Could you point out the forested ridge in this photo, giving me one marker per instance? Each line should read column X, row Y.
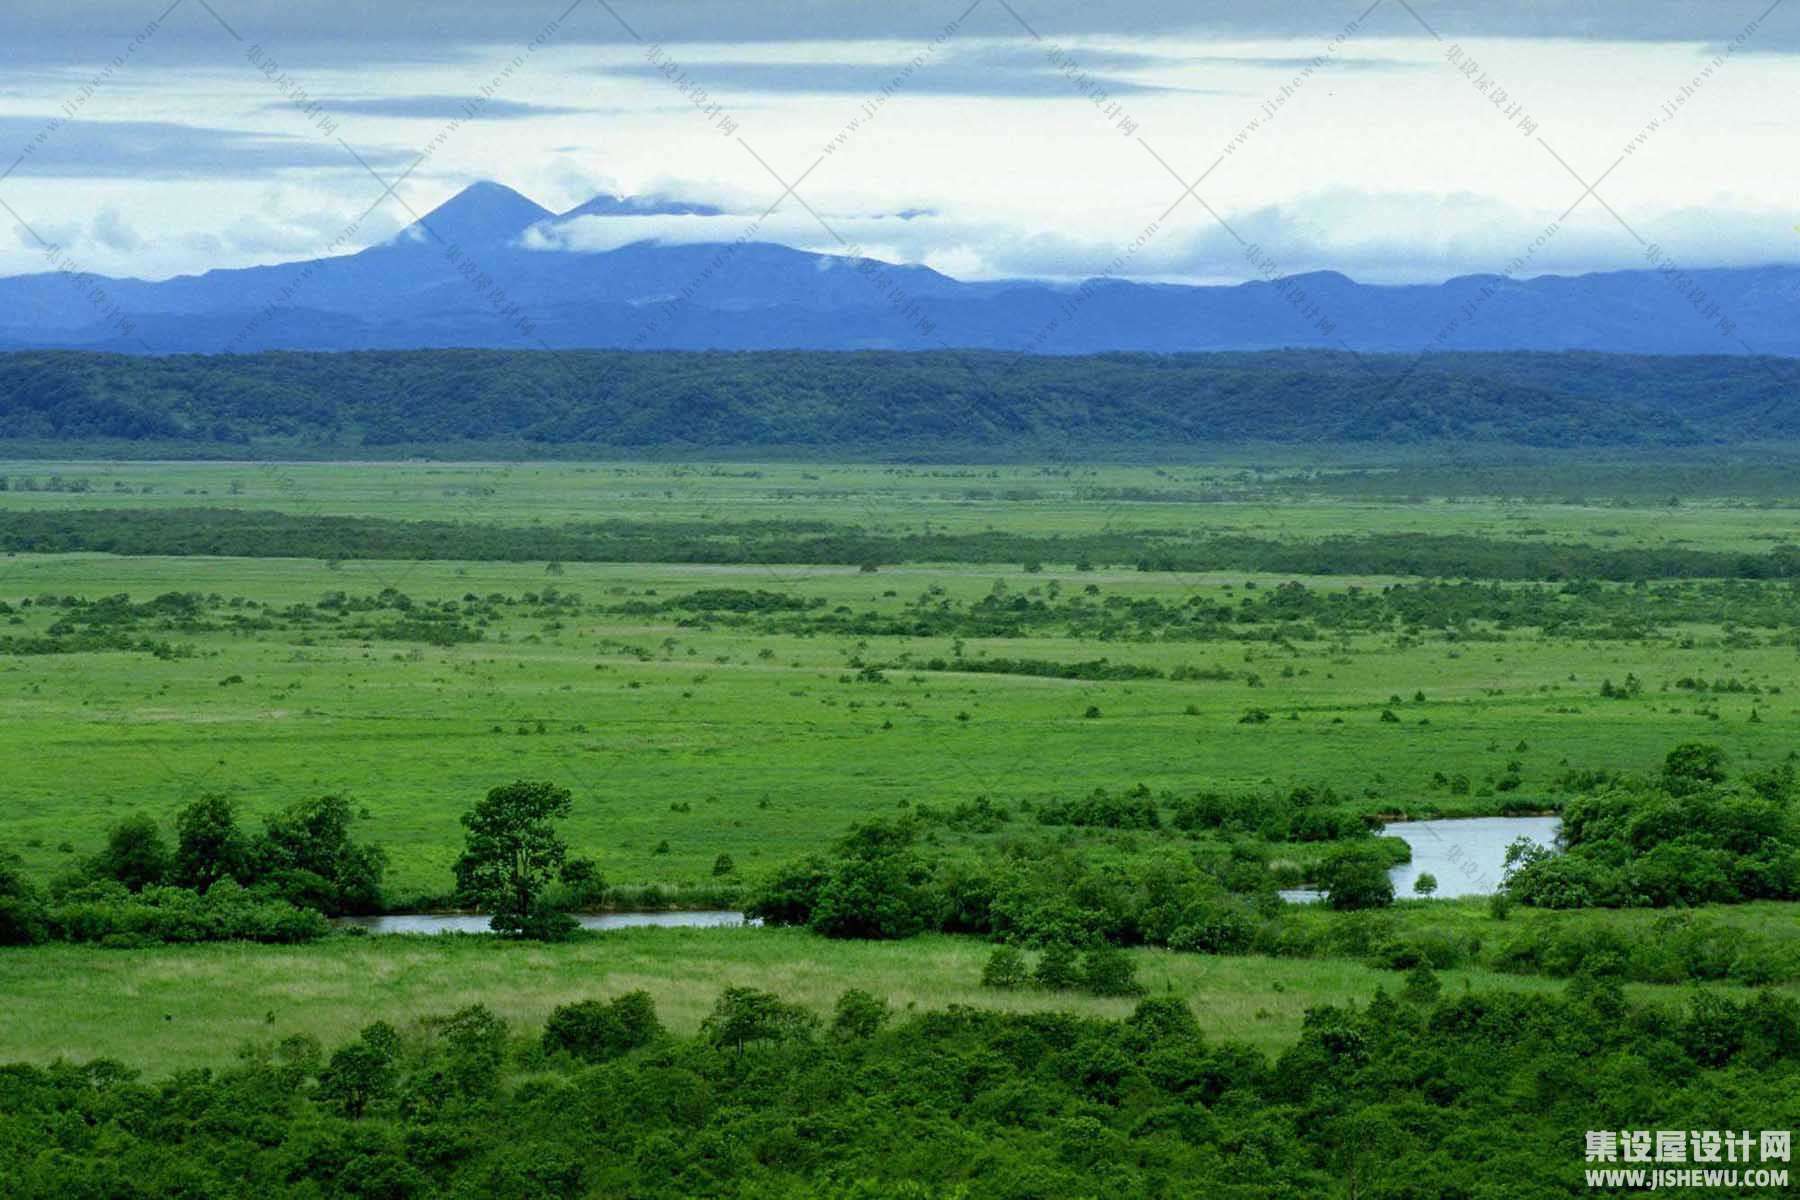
column 886, row 403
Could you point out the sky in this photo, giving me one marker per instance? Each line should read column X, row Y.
column 1201, row 141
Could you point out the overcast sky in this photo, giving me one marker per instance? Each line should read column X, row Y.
column 149, row 144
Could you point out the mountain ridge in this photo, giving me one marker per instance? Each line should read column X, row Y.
column 464, row 276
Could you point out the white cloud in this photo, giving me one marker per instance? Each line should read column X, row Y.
column 1388, row 166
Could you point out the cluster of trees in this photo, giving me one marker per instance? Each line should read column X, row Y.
column 1673, row 947
column 877, row 884
column 79, row 625
column 1101, row 969
column 1687, row 836
column 218, row 883
column 1392, row 1099
column 244, row 534
column 214, row 882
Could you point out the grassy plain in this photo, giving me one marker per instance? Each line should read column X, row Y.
column 764, row 746
column 685, row 738
column 1619, row 507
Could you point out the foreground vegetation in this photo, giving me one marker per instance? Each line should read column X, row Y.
column 766, row 1099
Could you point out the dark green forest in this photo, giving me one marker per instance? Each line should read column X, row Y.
column 243, row 534
column 887, row 404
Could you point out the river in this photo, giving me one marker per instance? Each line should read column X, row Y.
column 456, row 923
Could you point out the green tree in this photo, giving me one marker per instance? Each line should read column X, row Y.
column 1693, row 765
column 581, row 876
column 1426, row 884
column 363, row 1072
column 511, row 853
column 474, row 1041
column 136, row 854
column 208, row 844
column 878, row 889
column 1422, row 986
column 597, row 1032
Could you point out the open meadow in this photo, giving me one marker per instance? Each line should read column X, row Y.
column 862, row 691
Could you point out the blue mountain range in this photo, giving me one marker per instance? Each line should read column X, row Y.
column 471, row 273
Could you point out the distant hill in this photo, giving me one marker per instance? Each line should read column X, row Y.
column 886, row 404
column 490, row 268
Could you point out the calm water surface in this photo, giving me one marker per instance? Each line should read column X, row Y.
column 1466, row 855
column 443, row 923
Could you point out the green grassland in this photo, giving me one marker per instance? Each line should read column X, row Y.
column 173, row 1008
column 765, row 745
column 1608, row 507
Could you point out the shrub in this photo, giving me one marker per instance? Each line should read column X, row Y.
column 226, row 912
column 1222, row 931
column 596, row 1032
column 858, row 1015
column 1422, row 986
column 791, row 894
column 1005, row 968
column 586, row 886
column 1056, row 968
column 22, row 917
column 1107, row 970
column 1355, row 877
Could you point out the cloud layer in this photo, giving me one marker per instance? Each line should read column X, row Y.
column 1331, row 137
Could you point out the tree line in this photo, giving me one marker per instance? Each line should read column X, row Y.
column 242, row 534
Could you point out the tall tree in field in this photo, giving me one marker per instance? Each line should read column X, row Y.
column 511, row 854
